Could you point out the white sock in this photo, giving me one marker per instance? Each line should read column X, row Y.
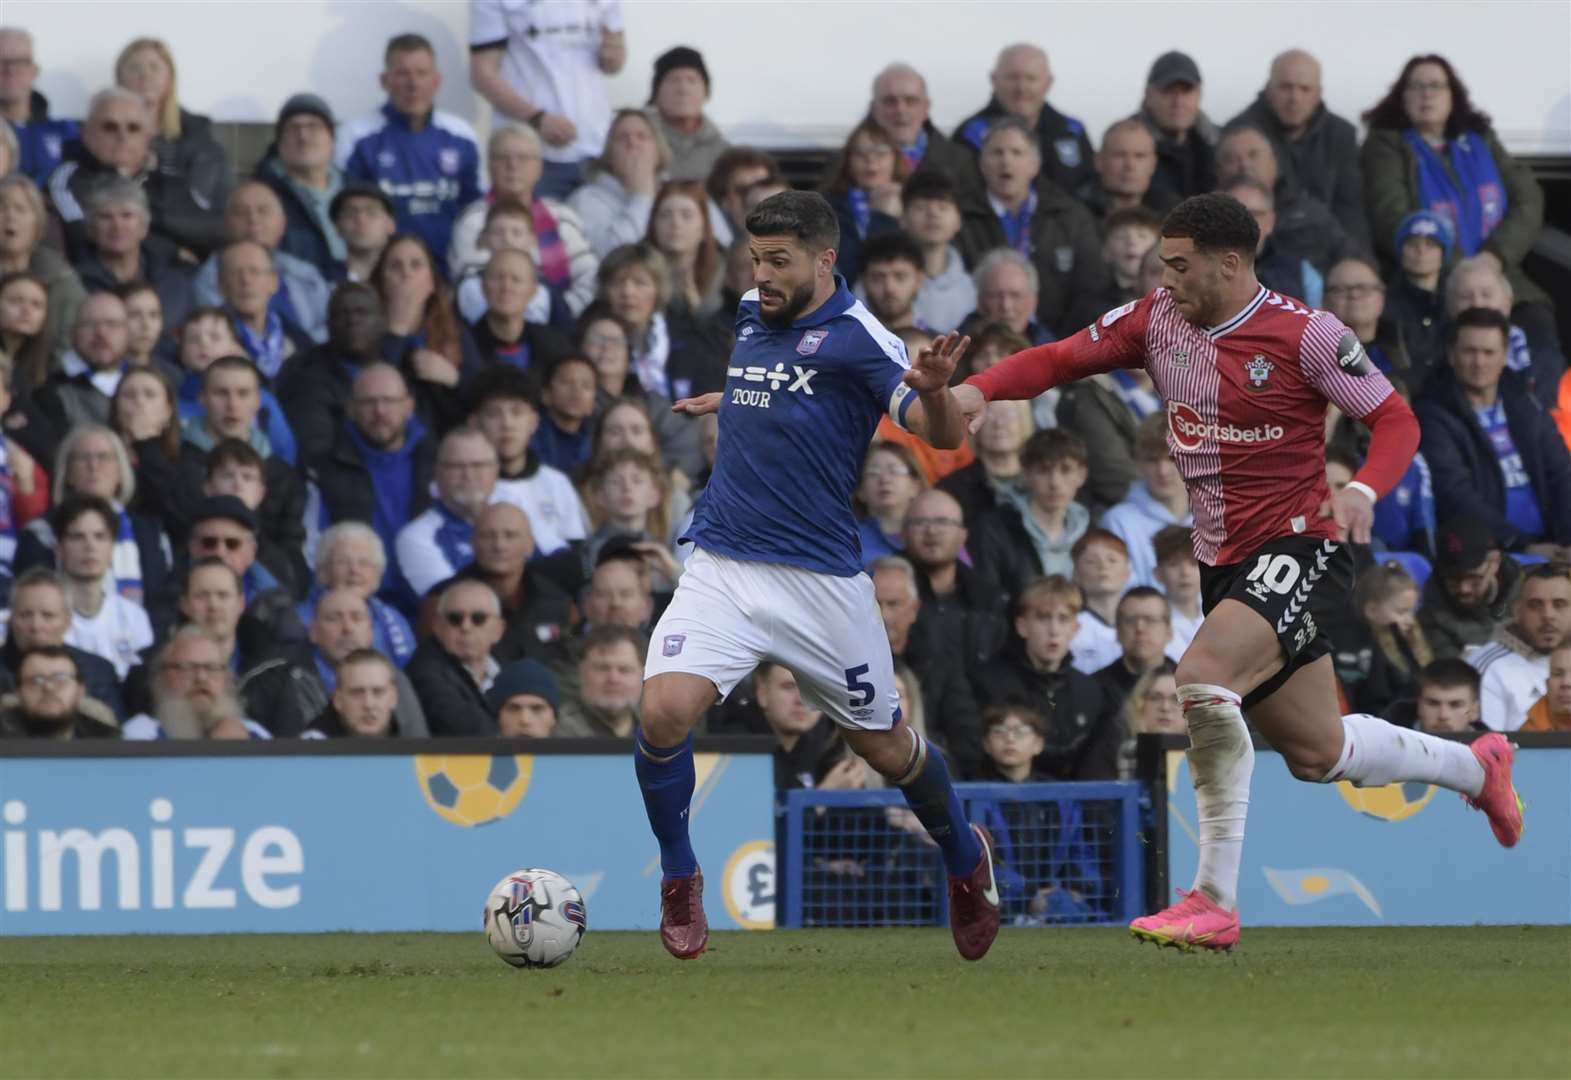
column 1375, row 753
column 1221, row 761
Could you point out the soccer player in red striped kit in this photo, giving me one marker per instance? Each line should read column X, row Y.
column 1246, row 374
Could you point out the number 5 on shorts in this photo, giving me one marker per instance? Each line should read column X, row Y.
column 857, row 687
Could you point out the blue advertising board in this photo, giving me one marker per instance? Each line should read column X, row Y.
column 142, row 844
column 1403, row 854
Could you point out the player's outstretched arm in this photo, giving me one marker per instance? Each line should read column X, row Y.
column 1393, row 440
column 936, row 415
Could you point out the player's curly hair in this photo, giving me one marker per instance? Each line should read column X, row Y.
column 1216, row 222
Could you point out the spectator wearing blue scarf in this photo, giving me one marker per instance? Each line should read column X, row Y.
column 865, row 192
column 351, row 556
column 1040, row 222
column 1430, row 149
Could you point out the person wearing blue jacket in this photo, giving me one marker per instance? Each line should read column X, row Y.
column 1495, row 452
column 426, row 160
column 40, row 138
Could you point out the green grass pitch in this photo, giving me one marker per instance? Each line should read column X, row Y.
column 1492, row 1001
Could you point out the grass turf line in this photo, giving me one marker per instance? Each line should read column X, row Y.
column 1435, row 1002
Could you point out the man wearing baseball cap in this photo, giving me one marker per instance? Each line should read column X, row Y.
column 1471, row 590
column 225, row 528
column 676, row 106
column 1185, row 136
column 299, row 168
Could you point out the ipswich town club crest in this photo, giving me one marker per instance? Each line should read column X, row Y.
column 1259, row 370
column 810, row 342
column 672, row 646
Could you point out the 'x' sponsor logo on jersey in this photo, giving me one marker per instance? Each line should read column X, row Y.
column 799, row 378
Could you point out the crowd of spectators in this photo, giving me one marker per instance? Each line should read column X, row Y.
column 376, row 442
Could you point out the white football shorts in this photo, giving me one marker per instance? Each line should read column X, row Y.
column 728, row 616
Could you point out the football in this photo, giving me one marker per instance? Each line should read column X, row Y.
column 534, row 918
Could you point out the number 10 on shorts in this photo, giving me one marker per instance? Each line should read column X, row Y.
column 1278, row 573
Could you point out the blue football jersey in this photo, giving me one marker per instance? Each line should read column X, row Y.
column 799, row 409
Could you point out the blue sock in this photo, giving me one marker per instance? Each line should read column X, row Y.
column 666, row 775
column 931, row 796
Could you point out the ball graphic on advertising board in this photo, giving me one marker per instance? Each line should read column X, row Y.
column 473, row 789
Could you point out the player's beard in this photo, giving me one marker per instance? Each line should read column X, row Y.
column 795, row 304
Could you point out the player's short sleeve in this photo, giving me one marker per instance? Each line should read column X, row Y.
column 886, row 379
column 487, row 24
column 1335, row 363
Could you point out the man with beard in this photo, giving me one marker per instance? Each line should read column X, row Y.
column 380, row 464
column 316, row 387
column 193, row 694
column 50, row 701
column 776, row 571
column 432, row 547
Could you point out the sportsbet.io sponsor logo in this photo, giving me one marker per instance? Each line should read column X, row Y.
column 1191, row 430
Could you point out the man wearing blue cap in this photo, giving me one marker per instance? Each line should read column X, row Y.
column 524, row 698
column 1424, row 243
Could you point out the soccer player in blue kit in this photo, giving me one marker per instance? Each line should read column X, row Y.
column 776, row 571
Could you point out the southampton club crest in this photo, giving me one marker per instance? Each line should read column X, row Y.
column 1259, row 370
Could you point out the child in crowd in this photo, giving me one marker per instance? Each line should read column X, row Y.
column 1450, row 699
column 930, row 215
column 1027, row 538
column 1011, row 739
column 509, row 226
column 563, row 438
column 1177, row 573
column 1379, row 653
column 1414, row 298
column 145, row 341
column 1156, row 500
column 1101, row 562
column 626, row 495
column 205, row 335
column 1130, row 235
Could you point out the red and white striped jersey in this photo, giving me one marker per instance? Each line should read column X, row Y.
column 1246, row 408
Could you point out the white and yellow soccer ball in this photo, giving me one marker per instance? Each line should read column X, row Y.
column 535, row 918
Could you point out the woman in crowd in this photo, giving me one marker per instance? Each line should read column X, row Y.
column 628, row 495
column 673, row 354
column 23, row 225
column 865, row 192
column 615, row 202
column 92, row 460
column 891, row 479
column 1355, row 294
column 1429, row 148
column 602, row 338
column 145, row 415
column 1150, row 709
column 149, row 345
column 680, row 229
column 183, row 142
column 629, row 424
column 424, row 332
column 567, row 263
column 351, row 556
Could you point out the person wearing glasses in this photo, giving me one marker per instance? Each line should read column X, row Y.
column 435, row 545
column 103, row 622
column 452, row 670
column 40, row 617
column 1430, row 148
column 193, row 694
column 955, row 606
column 117, row 140
column 52, row 703
column 226, row 529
